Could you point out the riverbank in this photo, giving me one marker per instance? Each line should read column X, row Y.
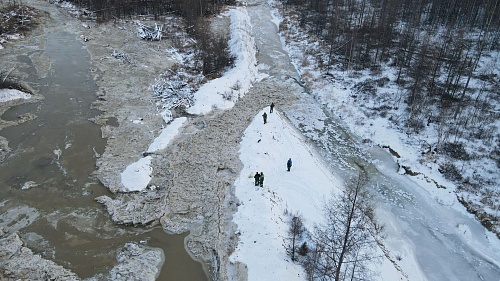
column 125, row 101
column 192, row 179
column 190, row 184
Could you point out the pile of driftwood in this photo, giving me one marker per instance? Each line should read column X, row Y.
column 17, row 19
column 173, row 93
column 152, row 33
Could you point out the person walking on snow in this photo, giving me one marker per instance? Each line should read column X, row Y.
column 257, row 178
column 289, row 164
column 271, row 108
column 265, row 117
column 261, row 179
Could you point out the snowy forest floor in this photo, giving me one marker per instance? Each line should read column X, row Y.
column 370, row 103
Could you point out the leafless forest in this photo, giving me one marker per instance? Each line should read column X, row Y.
column 435, row 45
column 442, row 53
column 443, row 57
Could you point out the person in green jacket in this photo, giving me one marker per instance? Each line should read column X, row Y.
column 261, row 179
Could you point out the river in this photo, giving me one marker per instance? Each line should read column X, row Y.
column 47, row 186
column 60, row 219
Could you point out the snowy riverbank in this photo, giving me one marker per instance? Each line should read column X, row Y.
column 195, row 173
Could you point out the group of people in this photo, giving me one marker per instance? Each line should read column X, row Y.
column 259, row 177
column 271, row 109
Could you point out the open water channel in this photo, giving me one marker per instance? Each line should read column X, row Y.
column 47, row 189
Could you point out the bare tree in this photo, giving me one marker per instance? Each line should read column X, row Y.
column 346, row 240
column 296, row 230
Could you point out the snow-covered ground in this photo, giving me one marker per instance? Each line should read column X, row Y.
column 12, row 94
column 415, row 212
column 263, row 214
column 223, row 92
column 261, row 217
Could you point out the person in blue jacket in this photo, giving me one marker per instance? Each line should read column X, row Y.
column 289, row 164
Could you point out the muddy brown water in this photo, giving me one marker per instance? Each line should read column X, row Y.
column 56, row 152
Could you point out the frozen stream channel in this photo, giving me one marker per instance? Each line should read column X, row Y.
column 445, row 244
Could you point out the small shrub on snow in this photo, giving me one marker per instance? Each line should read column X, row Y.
column 450, row 171
column 236, row 86
column 382, row 81
column 455, row 150
column 305, row 62
column 296, row 231
column 415, row 123
column 382, row 111
column 228, row 95
column 365, row 87
column 495, row 155
column 303, row 250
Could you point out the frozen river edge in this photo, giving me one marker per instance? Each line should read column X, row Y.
column 123, row 98
column 193, row 177
column 192, row 180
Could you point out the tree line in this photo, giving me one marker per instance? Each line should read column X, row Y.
column 190, row 10
column 436, row 47
column 212, row 52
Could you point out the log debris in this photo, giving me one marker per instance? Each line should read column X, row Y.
column 152, row 33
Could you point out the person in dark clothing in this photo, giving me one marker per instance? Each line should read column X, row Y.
column 289, row 164
column 257, row 178
column 261, row 179
column 265, row 117
column 271, row 108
